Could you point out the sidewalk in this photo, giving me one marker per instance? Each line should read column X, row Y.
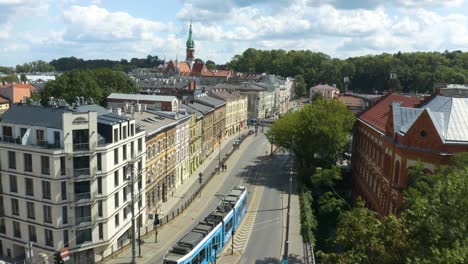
column 182, row 198
column 296, row 245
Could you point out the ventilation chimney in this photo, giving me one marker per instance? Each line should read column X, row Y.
column 118, row 111
column 77, row 101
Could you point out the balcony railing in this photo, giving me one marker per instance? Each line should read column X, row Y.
column 82, row 219
column 39, row 143
column 82, row 196
column 81, row 172
column 80, row 146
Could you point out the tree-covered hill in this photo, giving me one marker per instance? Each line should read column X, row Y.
column 415, row 71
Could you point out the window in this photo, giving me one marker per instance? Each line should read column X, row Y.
column 124, row 194
column 57, row 138
column 116, row 135
column 140, row 145
column 16, row 229
column 29, row 186
column 99, row 185
column 40, row 137
column 27, row 162
column 99, row 162
column 101, row 231
column 45, row 165
column 132, row 148
column 124, row 132
column 116, row 220
column 140, row 202
column 202, row 255
column 2, row 226
column 65, row 238
column 116, row 178
column 31, row 210
column 116, row 200
column 14, row 207
column 64, row 190
column 32, row 233
column 100, row 208
column 46, row 190
column 49, row 237
column 47, row 214
column 125, row 212
column 140, row 166
column 83, row 236
column 116, row 156
column 11, row 160
column 140, row 185
column 124, row 150
column 64, row 215
column 62, row 166
column 132, row 130
column 13, row 184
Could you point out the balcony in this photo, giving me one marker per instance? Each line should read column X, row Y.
column 82, row 197
column 81, row 147
column 40, row 143
column 83, row 220
column 82, row 173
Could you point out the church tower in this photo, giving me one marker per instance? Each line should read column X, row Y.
column 190, row 48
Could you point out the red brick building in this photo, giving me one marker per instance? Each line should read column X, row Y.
column 394, row 134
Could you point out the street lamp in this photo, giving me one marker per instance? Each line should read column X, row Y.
column 129, row 173
column 286, row 242
column 200, row 180
column 219, row 152
column 156, row 223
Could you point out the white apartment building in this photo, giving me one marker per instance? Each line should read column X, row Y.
column 63, row 181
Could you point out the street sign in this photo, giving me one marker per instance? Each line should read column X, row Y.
column 65, row 254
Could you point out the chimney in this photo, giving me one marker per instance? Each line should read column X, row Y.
column 77, row 101
column 118, row 111
column 83, row 102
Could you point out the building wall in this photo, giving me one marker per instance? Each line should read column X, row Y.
column 207, row 135
column 381, row 163
column 63, row 184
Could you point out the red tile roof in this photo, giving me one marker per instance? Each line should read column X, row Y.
column 378, row 114
column 184, row 67
column 216, row 73
column 197, row 68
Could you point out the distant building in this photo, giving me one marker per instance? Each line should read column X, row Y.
column 16, row 92
column 394, row 134
column 327, row 91
column 354, row 104
column 140, row 102
column 236, row 110
column 454, row 90
column 4, row 104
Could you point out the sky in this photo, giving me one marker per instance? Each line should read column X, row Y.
column 115, row 29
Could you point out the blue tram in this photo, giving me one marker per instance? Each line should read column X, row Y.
column 208, row 237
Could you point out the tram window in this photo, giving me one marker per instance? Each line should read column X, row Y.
column 228, row 226
column 202, row 255
column 195, row 260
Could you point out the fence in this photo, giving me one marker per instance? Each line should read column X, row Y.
column 147, row 230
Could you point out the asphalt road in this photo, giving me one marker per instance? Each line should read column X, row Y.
column 264, row 245
column 244, row 166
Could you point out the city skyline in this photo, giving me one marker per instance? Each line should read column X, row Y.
column 46, row 30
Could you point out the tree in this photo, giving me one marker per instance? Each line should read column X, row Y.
column 317, row 137
column 6, row 70
column 210, row 65
column 433, row 227
column 35, row 66
column 12, row 78
column 23, row 78
column 299, row 86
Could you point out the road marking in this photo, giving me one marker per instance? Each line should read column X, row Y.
column 271, row 220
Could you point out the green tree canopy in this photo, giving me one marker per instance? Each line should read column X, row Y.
column 35, row 66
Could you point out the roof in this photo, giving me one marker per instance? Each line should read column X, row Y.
column 448, row 114
column 152, row 122
column 143, row 97
column 184, row 67
column 378, row 114
column 216, row 73
column 35, row 115
column 204, row 109
column 351, row 101
column 210, row 101
column 92, row 108
column 321, row 87
column 197, row 68
column 191, row 110
column 3, row 100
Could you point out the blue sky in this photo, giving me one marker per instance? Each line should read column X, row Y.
column 115, row 29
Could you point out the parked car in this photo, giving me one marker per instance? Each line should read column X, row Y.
column 250, row 132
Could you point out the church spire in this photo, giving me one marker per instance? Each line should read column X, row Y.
column 190, row 51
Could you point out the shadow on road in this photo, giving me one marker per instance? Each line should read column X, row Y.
column 293, row 259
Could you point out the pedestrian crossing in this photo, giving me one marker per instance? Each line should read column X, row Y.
column 242, row 235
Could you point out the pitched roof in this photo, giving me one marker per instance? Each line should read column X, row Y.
column 204, row 109
column 35, row 115
column 197, row 68
column 142, row 97
column 184, row 67
column 321, row 87
column 216, row 73
column 210, row 101
column 378, row 114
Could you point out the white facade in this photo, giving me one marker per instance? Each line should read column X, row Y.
column 182, row 150
column 64, row 187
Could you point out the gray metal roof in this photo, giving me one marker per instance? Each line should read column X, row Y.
column 204, row 109
column 144, row 97
column 210, row 101
column 35, row 115
column 448, row 114
column 92, row 108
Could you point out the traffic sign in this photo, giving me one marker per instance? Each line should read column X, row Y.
column 65, row 254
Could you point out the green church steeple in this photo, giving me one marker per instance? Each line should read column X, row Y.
column 190, row 43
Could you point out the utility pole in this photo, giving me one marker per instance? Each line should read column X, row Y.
column 219, row 152
column 286, row 242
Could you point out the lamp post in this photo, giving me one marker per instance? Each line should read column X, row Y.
column 200, row 180
column 156, row 223
column 129, row 173
column 286, row 242
column 219, row 152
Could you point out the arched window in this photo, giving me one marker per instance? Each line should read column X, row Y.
column 80, row 121
column 396, row 172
